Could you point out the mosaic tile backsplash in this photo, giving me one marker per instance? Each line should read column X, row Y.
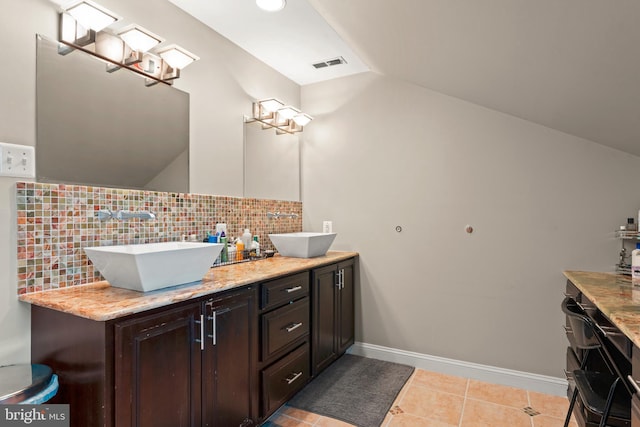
column 55, row 221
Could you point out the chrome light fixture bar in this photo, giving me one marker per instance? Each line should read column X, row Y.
column 84, row 26
column 274, row 114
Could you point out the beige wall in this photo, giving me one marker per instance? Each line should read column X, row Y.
column 387, row 153
column 221, row 85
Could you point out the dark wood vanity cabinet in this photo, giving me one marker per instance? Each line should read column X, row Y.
column 189, row 364
column 229, row 359
column 285, row 322
column 332, row 313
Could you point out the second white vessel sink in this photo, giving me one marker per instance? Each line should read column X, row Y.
column 302, row 244
column 152, row 266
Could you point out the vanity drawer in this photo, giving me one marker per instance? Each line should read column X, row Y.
column 284, row 378
column 281, row 291
column 283, row 326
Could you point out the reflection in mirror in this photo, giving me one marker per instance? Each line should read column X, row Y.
column 271, row 164
column 107, row 129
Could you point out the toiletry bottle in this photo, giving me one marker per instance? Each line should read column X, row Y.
column 246, row 239
column 631, row 225
column 225, row 250
column 231, row 251
column 635, row 265
column 255, row 246
column 239, row 250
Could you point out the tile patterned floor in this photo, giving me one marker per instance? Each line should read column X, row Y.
column 430, row 399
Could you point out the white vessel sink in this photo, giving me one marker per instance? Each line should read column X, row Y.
column 303, row 244
column 152, row 266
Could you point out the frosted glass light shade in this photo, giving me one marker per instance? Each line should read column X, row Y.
column 92, row 16
column 288, row 112
column 139, row 39
column 302, row 119
column 271, row 105
column 271, row 5
column 177, row 57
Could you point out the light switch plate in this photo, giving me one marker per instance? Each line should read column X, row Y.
column 17, row 160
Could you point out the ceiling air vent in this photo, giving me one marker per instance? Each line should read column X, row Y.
column 330, row 62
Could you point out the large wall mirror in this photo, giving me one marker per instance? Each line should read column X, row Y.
column 271, row 164
column 107, row 129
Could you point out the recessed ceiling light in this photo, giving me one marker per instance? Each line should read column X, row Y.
column 271, row 5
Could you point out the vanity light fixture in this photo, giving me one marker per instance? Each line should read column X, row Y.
column 273, row 114
column 139, row 39
column 177, row 57
column 302, row 119
column 271, row 5
column 92, row 16
column 84, row 26
column 271, row 105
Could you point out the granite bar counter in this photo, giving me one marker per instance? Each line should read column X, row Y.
column 614, row 296
column 100, row 301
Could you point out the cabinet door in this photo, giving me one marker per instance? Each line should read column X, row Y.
column 345, row 335
column 325, row 287
column 158, row 367
column 229, row 364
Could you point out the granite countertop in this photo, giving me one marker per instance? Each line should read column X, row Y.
column 100, row 301
column 614, row 296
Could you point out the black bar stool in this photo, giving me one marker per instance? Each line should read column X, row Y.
column 604, row 393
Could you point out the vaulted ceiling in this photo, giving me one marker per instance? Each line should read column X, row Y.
column 571, row 65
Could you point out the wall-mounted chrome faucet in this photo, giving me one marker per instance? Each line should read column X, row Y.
column 126, row 215
column 278, row 215
column 123, row 215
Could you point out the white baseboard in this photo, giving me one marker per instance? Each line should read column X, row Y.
column 526, row 380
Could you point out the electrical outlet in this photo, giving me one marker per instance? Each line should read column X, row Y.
column 17, row 160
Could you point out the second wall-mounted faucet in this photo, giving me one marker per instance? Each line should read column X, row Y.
column 278, row 215
column 123, row 215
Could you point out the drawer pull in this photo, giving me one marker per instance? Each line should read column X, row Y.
column 294, row 289
column 634, row 383
column 293, row 327
column 295, row 377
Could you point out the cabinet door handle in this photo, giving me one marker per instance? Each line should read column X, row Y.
column 201, row 323
column 293, row 326
column 295, row 288
column 295, row 377
column 634, row 383
column 214, row 335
